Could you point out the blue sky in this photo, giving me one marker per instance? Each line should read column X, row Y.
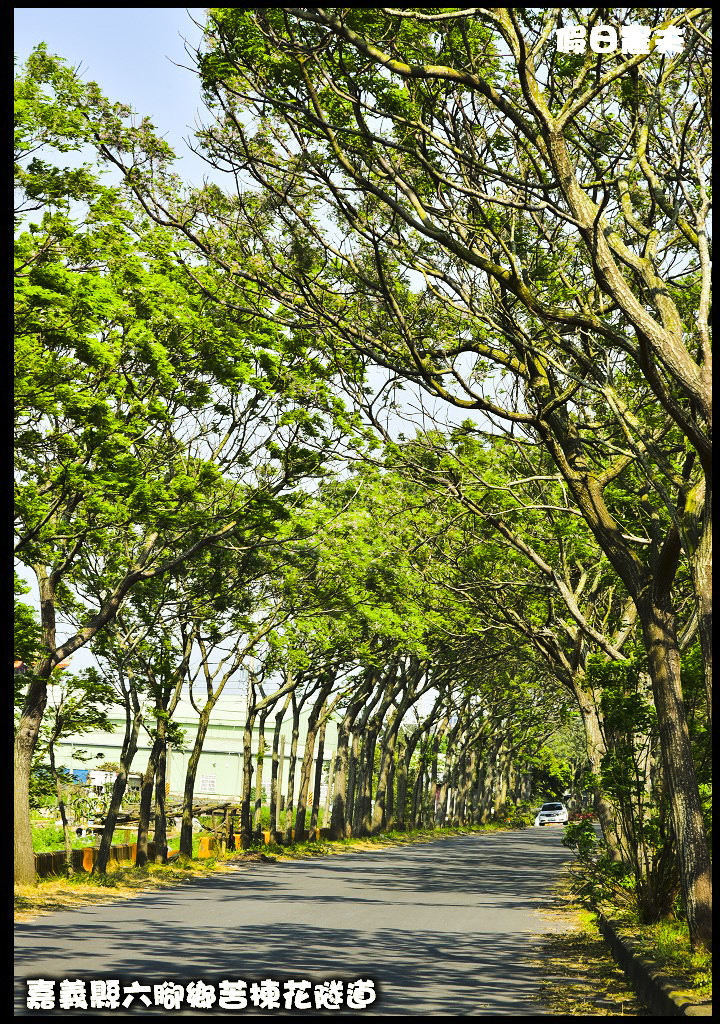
column 132, row 53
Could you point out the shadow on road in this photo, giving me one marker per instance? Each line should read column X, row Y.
column 441, row 928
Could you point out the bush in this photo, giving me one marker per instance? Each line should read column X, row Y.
column 580, row 837
column 48, row 837
column 601, row 879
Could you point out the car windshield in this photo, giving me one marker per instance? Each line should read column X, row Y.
column 552, row 807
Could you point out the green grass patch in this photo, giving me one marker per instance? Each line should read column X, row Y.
column 667, row 944
column 47, row 838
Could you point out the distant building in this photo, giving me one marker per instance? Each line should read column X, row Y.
column 220, row 771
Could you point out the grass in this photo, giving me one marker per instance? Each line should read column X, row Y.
column 47, row 838
column 667, row 944
column 580, row 975
column 122, row 882
column 325, row 847
column 581, row 978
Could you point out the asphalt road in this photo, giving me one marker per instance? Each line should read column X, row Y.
column 446, row 927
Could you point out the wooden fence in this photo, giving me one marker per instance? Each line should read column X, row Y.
column 54, row 862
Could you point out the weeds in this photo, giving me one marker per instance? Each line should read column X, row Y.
column 667, row 943
column 122, row 881
column 323, row 847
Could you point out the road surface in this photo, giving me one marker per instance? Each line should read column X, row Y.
column 446, row 927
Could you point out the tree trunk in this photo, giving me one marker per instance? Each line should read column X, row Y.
column 129, row 749
column 329, row 790
column 458, row 817
column 257, row 817
column 393, row 686
column 465, row 808
column 658, row 627
column 317, row 783
column 61, row 807
column 420, row 784
column 342, row 800
column 156, row 772
column 353, row 758
column 278, row 756
column 189, row 792
column 389, row 812
column 488, row 792
column 25, row 743
column 396, row 820
column 144, row 813
column 500, row 790
column 246, row 837
column 305, row 771
column 417, row 797
column 441, row 800
column 378, row 820
column 291, row 771
column 278, row 795
column 595, row 746
column 383, row 792
column 701, row 566
column 479, row 799
column 363, row 807
column 337, row 818
column 275, row 771
column 161, row 847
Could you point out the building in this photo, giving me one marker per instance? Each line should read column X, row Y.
column 220, row 771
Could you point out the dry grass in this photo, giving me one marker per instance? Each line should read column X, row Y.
column 324, row 848
column 581, row 978
column 122, row 882
column 580, row 974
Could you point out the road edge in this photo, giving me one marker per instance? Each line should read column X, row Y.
column 655, row 989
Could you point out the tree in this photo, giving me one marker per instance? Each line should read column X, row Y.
column 629, row 774
column 145, row 652
column 150, row 426
column 557, row 217
column 26, row 627
column 388, row 613
column 78, row 705
column 510, row 545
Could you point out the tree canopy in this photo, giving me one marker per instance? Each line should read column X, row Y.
column 436, row 202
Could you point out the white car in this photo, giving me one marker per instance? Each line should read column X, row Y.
column 551, row 814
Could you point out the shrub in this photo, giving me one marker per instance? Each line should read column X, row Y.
column 47, row 837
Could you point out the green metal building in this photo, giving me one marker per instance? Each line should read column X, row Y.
column 220, row 771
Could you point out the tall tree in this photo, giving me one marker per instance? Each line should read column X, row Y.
column 555, row 208
column 149, row 424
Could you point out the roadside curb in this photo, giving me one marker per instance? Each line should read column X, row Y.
column 656, row 989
